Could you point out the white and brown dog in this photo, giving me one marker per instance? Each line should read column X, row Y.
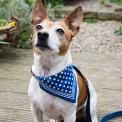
column 51, row 42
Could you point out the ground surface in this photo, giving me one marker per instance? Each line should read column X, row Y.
column 105, row 72
column 99, row 38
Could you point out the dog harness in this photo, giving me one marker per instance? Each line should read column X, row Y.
column 64, row 86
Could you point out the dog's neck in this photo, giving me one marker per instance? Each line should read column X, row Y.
column 50, row 64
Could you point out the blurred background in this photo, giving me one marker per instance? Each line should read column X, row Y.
column 97, row 50
column 18, row 33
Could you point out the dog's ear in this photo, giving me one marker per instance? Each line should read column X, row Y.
column 73, row 20
column 38, row 13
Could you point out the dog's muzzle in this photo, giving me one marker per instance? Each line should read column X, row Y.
column 42, row 40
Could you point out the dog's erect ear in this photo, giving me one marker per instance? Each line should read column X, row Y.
column 38, row 12
column 73, row 20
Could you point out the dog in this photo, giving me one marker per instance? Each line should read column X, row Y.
column 52, row 59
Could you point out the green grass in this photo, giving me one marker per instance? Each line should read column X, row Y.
column 112, row 1
column 116, row 1
column 118, row 32
column 91, row 20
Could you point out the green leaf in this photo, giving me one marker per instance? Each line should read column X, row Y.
column 118, row 32
column 4, row 43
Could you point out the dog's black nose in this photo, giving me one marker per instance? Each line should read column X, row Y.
column 42, row 40
column 43, row 35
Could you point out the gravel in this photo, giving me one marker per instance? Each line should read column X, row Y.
column 99, row 38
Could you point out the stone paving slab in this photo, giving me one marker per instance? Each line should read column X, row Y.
column 105, row 72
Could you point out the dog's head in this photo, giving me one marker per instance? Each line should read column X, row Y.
column 53, row 37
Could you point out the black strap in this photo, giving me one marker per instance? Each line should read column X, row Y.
column 88, row 114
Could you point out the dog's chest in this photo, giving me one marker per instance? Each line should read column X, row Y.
column 52, row 106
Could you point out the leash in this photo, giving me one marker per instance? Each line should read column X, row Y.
column 110, row 116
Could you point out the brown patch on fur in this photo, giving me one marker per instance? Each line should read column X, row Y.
column 38, row 13
column 49, row 23
column 82, row 90
column 67, row 40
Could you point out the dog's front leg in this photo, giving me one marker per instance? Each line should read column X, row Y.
column 70, row 118
column 37, row 113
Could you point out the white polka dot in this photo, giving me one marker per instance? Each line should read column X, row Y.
column 67, row 86
column 58, row 88
column 49, row 85
column 54, row 79
column 61, row 81
column 58, row 80
column 66, row 78
column 52, row 83
column 69, row 91
column 64, row 86
column 49, row 77
column 65, row 81
column 48, row 81
column 55, row 83
column 65, row 90
column 62, row 90
column 60, row 76
column 53, row 87
column 59, row 84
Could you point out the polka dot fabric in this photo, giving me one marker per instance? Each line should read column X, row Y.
column 62, row 85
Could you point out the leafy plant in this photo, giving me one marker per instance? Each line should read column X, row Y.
column 53, row 3
column 21, row 10
column 2, row 22
column 90, row 20
column 118, row 32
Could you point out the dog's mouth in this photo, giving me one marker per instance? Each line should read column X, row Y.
column 43, row 47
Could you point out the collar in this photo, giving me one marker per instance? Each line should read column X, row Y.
column 62, row 84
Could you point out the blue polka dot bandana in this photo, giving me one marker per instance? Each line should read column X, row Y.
column 62, row 84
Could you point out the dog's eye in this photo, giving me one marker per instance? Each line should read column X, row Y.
column 39, row 27
column 60, row 31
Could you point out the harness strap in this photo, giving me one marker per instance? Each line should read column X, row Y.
column 88, row 114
